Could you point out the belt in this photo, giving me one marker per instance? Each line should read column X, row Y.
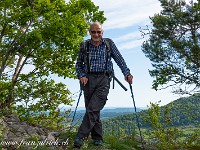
column 99, row 73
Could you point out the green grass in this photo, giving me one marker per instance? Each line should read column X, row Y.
column 119, row 143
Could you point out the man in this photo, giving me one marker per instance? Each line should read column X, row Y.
column 93, row 70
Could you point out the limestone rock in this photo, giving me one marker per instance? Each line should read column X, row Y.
column 18, row 133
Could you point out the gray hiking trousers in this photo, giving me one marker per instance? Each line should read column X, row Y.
column 95, row 93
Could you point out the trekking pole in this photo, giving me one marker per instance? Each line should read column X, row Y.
column 76, row 107
column 137, row 119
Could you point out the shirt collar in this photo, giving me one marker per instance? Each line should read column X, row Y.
column 101, row 42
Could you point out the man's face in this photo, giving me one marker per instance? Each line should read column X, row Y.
column 96, row 33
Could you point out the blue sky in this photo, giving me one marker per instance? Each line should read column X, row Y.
column 124, row 17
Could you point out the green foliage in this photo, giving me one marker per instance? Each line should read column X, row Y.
column 193, row 140
column 169, row 137
column 165, row 138
column 37, row 39
column 173, row 46
column 173, row 126
column 120, row 126
column 41, row 101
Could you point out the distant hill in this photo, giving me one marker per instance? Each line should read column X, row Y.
column 114, row 109
column 109, row 113
column 124, row 109
column 184, row 111
column 105, row 113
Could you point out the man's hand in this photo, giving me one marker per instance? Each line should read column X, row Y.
column 84, row 80
column 129, row 78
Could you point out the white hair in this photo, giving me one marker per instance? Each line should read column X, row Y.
column 96, row 23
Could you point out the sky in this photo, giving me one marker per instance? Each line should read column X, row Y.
column 124, row 17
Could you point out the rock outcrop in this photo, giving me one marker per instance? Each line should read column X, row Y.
column 17, row 133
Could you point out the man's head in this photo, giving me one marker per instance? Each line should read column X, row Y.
column 96, row 31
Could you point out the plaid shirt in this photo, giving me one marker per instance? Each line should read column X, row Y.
column 97, row 60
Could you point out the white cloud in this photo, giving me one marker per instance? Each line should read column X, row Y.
column 128, row 41
column 130, row 36
column 130, row 44
column 126, row 13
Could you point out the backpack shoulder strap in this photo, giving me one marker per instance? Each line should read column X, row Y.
column 88, row 54
column 108, row 51
column 85, row 50
column 107, row 40
column 84, row 46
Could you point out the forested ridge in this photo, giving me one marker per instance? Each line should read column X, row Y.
column 183, row 111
